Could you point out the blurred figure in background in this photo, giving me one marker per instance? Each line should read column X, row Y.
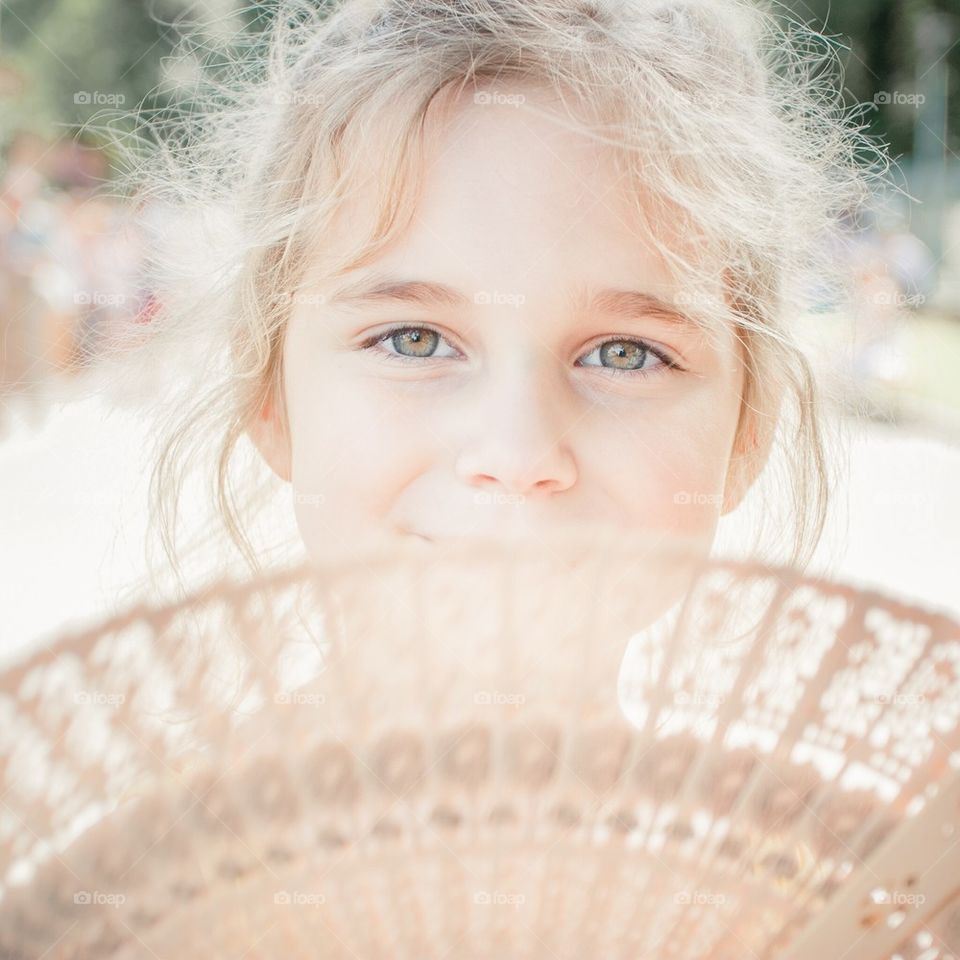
column 25, row 226
column 69, row 262
column 893, row 274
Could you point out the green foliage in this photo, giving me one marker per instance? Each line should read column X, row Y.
column 885, row 55
column 84, row 61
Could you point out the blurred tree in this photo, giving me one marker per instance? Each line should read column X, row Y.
column 83, row 62
column 83, row 59
column 77, row 57
column 888, row 64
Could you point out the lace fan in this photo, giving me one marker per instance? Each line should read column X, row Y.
column 584, row 747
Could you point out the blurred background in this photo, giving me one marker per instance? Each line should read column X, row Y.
column 72, row 438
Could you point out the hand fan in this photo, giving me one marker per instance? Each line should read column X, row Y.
column 580, row 747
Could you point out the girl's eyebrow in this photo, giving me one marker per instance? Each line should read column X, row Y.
column 380, row 289
column 623, row 305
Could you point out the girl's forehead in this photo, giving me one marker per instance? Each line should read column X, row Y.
column 478, row 142
column 514, row 197
column 505, row 175
column 512, row 130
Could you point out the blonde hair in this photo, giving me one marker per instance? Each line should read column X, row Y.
column 722, row 112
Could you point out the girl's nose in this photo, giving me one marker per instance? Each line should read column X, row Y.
column 522, row 444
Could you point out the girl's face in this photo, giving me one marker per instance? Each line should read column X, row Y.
column 513, row 363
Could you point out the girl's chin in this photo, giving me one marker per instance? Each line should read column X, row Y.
column 568, row 547
column 572, row 570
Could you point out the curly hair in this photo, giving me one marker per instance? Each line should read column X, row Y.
column 725, row 114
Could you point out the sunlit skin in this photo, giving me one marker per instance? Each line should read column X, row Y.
column 522, row 398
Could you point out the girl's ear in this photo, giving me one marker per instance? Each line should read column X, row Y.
column 269, row 435
column 751, row 451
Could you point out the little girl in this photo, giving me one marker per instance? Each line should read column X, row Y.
column 500, row 266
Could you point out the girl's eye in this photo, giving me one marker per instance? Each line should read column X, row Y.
column 620, row 355
column 628, row 356
column 410, row 343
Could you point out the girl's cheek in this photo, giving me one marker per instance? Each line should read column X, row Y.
column 358, row 443
column 352, row 447
column 669, row 472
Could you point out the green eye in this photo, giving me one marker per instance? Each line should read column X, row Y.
column 416, row 342
column 627, row 356
column 623, row 354
column 411, row 343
